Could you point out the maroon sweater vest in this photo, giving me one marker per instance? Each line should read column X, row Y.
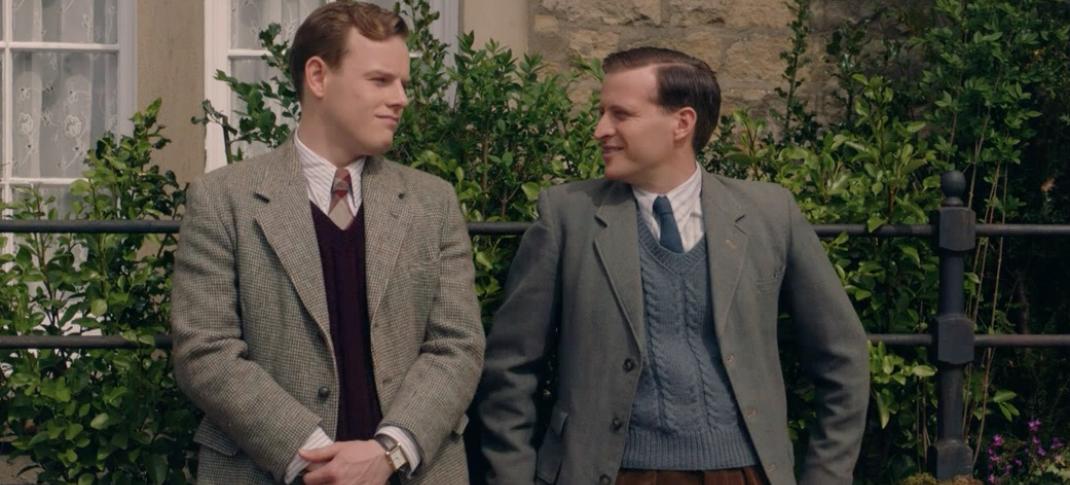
column 342, row 255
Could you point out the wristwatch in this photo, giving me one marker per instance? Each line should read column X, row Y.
column 394, row 455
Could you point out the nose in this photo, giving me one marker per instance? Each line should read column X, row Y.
column 604, row 128
column 401, row 98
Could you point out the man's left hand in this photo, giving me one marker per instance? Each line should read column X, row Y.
column 347, row 462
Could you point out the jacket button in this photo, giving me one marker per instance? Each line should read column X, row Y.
column 323, row 392
column 731, row 359
column 617, row 424
column 629, row 365
column 751, row 412
column 604, row 480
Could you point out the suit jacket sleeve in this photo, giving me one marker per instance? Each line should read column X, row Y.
column 833, row 352
column 211, row 367
column 437, row 389
column 516, row 350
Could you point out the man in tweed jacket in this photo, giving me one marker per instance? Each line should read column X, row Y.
column 298, row 377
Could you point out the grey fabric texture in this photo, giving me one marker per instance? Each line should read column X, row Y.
column 252, row 345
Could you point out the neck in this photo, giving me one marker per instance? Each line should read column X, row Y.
column 671, row 174
column 319, row 137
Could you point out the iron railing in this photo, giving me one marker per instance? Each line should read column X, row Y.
column 952, row 341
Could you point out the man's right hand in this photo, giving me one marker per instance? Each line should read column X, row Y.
column 348, row 463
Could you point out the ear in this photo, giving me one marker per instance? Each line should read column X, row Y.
column 684, row 129
column 316, row 71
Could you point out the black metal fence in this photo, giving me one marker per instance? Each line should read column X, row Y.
column 951, row 341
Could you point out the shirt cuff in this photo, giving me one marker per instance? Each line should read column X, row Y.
column 318, row 439
column 407, row 444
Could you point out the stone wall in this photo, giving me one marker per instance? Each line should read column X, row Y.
column 740, row 39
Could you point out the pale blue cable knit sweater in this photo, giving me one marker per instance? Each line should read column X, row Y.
column 684, row 416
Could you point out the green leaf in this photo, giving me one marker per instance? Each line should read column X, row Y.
column 531, row 191
column 923, row 371
column 883, row 411
column 875, row 221
column 101, row 421
column 158, row 468
column 1003, row 395
column 72, row 430
column 98, row 307
column 912, row 253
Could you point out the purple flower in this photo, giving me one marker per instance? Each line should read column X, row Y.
column 1056, row 444
column 1034, row 425
column 997, row 441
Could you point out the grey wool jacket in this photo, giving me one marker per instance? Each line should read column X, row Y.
column 575, row 288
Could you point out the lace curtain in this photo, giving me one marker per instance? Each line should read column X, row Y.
column 62, row 100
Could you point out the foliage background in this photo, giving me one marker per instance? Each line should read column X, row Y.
column 921, row 87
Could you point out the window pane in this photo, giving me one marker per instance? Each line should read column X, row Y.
column 253, row 71
column 249, row 17
column 64, row 101
column 82, row 21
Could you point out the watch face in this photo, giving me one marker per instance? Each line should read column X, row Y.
column 397, row 458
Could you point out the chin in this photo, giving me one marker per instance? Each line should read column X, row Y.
column 612, row 174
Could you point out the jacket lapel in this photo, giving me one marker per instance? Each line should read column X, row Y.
column 617, row 246
column 286, row 220
column 386, row 220
column 726, row 245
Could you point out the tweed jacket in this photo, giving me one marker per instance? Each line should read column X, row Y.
column 575, row 288
column 252, row 340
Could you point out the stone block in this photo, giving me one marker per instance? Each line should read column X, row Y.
column 757, row 13
column 690, row 13
column 607, row 12
column 593, row 43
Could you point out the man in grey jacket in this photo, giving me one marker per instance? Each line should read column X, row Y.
column 659, row 288
column 324, row 317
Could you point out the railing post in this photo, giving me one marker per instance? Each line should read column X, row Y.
column 953, row 338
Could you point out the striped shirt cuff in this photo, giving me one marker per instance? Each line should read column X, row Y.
column 318, row 439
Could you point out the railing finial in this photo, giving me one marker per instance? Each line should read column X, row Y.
column 953, row 185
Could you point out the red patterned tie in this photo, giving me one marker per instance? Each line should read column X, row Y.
column 339, row 209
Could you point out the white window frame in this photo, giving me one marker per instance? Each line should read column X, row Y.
column 218, row 55
column 127, row 85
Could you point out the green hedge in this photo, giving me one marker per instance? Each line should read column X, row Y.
column 921, row 88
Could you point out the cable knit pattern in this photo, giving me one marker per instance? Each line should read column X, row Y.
column 684, row 416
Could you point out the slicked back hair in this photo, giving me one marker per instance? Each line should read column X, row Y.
column 682, row 81
column 325, row 32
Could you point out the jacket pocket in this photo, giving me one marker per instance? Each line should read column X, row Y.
column 551, row 453
column 770, row 282
column 208, row 435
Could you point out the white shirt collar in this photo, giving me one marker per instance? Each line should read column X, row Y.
column 319, row 176
column 684, row 198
